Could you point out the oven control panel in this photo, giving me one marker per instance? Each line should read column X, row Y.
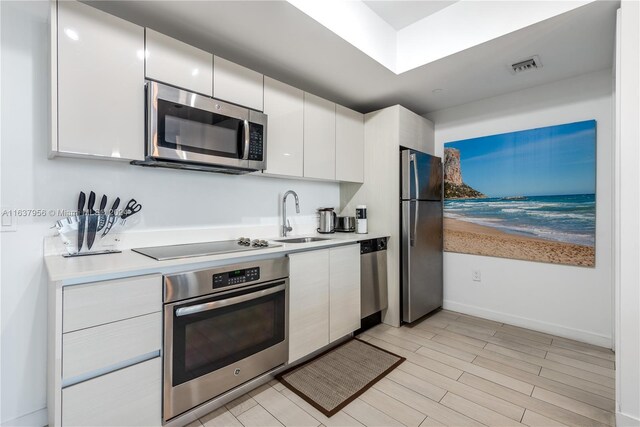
column 236, row 277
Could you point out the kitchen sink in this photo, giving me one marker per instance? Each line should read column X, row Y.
column 303, row 239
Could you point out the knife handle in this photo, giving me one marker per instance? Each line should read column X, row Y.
column 103, row 203
column 81, row 201
column 92, row 201
column 112, row 217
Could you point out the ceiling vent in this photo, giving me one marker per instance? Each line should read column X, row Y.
column 529, row 64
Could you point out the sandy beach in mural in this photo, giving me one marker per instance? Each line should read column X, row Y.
column 469, row 238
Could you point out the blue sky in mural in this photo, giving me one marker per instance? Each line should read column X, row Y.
column 554, row 160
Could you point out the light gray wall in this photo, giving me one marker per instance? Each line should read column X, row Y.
column 171, row 199
column 574, row 302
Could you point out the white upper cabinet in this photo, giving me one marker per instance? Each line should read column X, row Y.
column 349, row 145
column 415, row 131
column 178, row 64
column 284, row 105
column 319, row 137
column 100, row 84
column 237, row 84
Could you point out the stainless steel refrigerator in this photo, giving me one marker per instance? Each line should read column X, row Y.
column 421, row 230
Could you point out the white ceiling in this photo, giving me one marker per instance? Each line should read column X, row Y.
column 277, row 39
column 401, row 13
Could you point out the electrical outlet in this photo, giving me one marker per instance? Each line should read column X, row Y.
column 476, row 276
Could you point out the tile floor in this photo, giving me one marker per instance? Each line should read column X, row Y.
column 460, row 371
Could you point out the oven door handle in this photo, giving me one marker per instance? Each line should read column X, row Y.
column 247, row 140
column 185, row 311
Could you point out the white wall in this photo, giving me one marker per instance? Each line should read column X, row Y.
column 628, row 216
column 171, row 199
column 574, row 302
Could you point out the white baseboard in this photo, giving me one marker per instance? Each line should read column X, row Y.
column 623, row 420
column 34, row 419
column 536, row 325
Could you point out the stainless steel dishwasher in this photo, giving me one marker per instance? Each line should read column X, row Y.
column 373, row 282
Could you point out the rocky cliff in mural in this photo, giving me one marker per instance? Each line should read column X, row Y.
column 454, row 187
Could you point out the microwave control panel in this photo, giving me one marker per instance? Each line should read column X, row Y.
column 256, row 138
column 235, row 277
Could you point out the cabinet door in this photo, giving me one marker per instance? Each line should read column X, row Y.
column 308, row 303
column 128, row 397
column 349, row 145
column 319, row 137
column 237, row 84
column 284, row 105
column 344, row 291
column 100, row 84
column 416, row 132
column 176, row 63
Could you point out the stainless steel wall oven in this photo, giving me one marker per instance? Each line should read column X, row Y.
column 222, row 327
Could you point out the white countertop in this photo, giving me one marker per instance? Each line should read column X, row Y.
column 68, row 271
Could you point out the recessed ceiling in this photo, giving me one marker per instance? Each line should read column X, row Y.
column 279, row 40
column 401, row 13
column 459, row 26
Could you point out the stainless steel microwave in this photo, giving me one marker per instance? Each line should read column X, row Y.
column 190, row 131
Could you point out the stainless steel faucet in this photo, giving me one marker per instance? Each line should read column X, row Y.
column 286, row 226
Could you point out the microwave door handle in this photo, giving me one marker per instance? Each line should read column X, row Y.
column 247, row 140
column 185, row 311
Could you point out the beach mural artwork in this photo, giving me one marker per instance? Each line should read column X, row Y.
column 527, row 195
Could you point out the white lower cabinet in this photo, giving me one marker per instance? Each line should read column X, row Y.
column 105, row 365
column 344, row 291
column 128, row 397
column 324, row 298
column 308, row 302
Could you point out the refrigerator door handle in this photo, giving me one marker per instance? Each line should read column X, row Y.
column 406, row 260
column 413, row 238
column 416, row 183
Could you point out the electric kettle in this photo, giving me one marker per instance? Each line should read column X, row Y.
column 326, row 220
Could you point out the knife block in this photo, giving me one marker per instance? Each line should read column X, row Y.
column 68, row 231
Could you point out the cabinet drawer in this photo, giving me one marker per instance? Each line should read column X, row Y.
column 97, row 348
column 95, row 304
column 128, row 397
